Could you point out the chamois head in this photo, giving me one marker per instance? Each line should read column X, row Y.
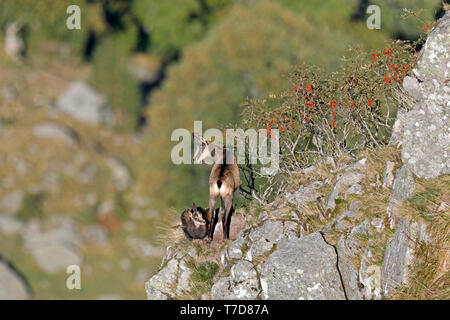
column 203, row 149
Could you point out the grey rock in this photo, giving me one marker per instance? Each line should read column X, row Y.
column 426, row 137
column 397, row 129
column 354, row 189
column 404, row 184
column 402, row 189
column 264, row 238
column 10, row 225
column 159, row 287
column 55, row 249
column 234, row 250
column 304, row 194
column 350, row 246
column 418, row 231
column 388, row 176
column 348, row 272
column 411, row 85
column 184, row 276
column 121, row 175
column 54, row 257
column 12, row 284
column 56, row 132
column 290, row 229
column 12, row 202
column 169, row 255
column 354, row 205
column 221, row 289
column 426, row 140
column 434, row 58
column 370, row 278
column 301, row 268
column 242, row 284
column 349, row 178
column 338, row 224
column 397, row 258
column 347, row 248
column 84, row 104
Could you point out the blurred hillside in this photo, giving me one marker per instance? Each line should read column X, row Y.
column 98, row 191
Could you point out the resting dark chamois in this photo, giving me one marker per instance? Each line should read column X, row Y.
column 195, row 222
column 224, row 180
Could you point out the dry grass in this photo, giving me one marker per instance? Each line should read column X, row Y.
column 429, row 277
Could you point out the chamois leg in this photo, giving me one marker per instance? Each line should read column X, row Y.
column 212, row 204
column 222, row 214
column 226, row 218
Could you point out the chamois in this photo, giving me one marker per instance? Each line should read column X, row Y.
column 195, row 222
column 224, row 180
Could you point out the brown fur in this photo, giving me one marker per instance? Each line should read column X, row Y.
column 224, row 180
column 195, row 222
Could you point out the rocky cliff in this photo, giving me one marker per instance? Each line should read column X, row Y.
column 343, row 229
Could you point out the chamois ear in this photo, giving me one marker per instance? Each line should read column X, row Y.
column 204, row 141
column 194, row 207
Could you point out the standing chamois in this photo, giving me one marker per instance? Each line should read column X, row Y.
column 224, row 180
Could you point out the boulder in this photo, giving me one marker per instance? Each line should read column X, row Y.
column 159, row 287
column 173, row 278
column 54, row 249
column 397, row 258
column 426, row 136
column 10, row 225
column 301, row 268
column 57, row 132
column 83, row 103
column 264, row 238
column 12, row 285
column 242, row 284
